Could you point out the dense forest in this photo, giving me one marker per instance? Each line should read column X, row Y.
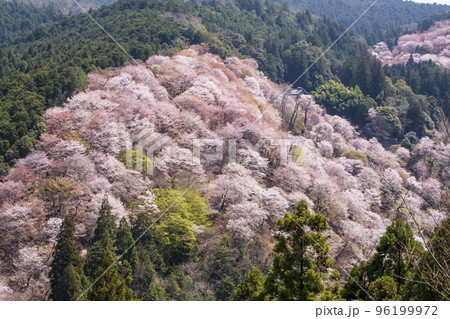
column 383, row 15
column 66, row 6
column 19, row 18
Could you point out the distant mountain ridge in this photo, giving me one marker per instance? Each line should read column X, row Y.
column 383, row 15
column 67, row 6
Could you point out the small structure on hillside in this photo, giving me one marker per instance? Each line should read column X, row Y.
column 299, row 92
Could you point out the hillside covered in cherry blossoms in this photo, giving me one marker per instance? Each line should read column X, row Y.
column 264, row 170
column 433, row 44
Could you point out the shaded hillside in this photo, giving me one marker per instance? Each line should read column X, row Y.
column 19, row 18
column 205, row 244
column 383, row 15
column 67, row 6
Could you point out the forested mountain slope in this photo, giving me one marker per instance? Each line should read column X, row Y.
column 223, row 225
column 48, row 65
column 19, row 18
column 383, row 15
column 67, row 6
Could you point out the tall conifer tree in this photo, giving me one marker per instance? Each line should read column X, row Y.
column 125, row 244
column 66, row 276
column 301, row 257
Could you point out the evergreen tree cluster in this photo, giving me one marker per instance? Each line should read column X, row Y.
column 408, row 99
column 116, row 268
column 147, row 261
column 383, row 15
column 399, row 270
column 17, row 18
column 100, row 275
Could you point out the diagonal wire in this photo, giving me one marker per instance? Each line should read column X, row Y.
column 131, row 57
column 134, row 60
column 134, row 243
column 328, row 254
column 323, row 53
column 317, row 60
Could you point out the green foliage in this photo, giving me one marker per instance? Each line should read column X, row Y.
column 110, row 274
column 106, row 226
column 298, row 60
column 395, row 252
column 96, row 254
column 21, row 121
column 69, row 285
column 385, row 15
column 391, row 115
column 155, row 293
column 333, row 293
column 225, row 287
column 392, row 262
column 300, row 265
column 137, row 160
column 356, row 155
column 125, row 244
column 66, row 276
column 275, row 36
column 356, row 286
column 174, row 235
column 430, row 279
column 189, row 204
column 179, row 286
column 343, row 101
column 17, row 18
column 366, row 72
column 228, row 261
column 419, row 120
column 384, row 289
column 301, row 257
column 251, row 288
column 406, row 143
column 412, row 112
column 144, row 231
column 166, row 241
column 425, row 78
column 102, row 243
column 144, row 274
column 176, row 240
column 125, row 271
column 110, row 285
